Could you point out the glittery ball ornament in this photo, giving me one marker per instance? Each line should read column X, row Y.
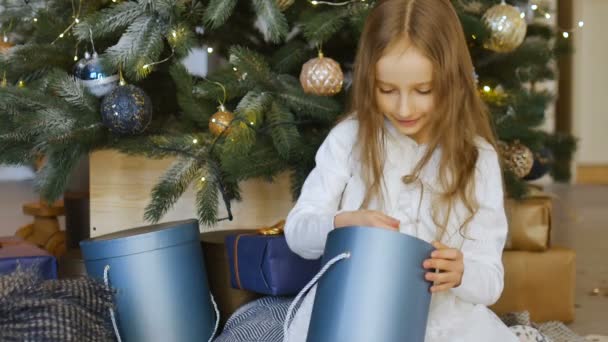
column 284, row 4
column 507, row 28
column 91, row 73
column 126, row 110
column 220, row 121
column 543, row 159
column 321, row 76
column 517, row 158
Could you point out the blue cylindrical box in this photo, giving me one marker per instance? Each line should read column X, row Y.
column 161, row 282
column 377, row 294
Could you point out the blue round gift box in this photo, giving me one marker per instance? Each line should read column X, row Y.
column 159, row 275
column 378, row 293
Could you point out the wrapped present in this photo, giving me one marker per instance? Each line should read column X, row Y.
column 529, row 223
column 160, row 279
column 262, row 262
column 228, row 299
column 373, row 289
column 540, row 283
column 15, row 252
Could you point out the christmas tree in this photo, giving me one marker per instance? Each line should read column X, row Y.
column 79, row 76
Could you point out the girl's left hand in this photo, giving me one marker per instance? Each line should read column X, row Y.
column 450, row 264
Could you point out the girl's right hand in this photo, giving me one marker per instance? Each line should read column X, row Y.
column 369, row 218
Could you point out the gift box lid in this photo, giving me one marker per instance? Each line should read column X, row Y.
column 14, row 247
column 140, row 239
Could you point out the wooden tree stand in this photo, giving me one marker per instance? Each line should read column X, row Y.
column 44, row 231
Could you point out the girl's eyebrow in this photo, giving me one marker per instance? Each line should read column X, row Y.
column 416, row 84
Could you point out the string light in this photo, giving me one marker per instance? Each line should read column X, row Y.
column 75, row 15
column 195, row 141
column 487, row 89
column 210, row 50
column 21, row 84
column 203, row 179
column 547, row 15
column 35, row 20
column 149, row 65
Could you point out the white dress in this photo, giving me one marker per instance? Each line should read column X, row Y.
column 335, row 184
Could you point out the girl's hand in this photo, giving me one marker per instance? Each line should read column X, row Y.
column 449, row 263
column 370, row 218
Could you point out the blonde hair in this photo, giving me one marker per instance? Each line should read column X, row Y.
column 433, row 28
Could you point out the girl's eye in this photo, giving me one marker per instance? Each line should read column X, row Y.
column 386, row 91
column 424, row 92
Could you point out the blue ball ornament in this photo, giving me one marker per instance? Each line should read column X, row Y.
column 127, row 110
column 543, row 159
column 93, row 76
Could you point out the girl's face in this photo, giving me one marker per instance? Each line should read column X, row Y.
column 404, row 91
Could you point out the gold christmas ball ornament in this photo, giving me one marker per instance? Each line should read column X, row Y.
column 4, row 46
column 517, row 158
column 321, row 76
column 507, row 28
column 220, row 121
column 284, row 4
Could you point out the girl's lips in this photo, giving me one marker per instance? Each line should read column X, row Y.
column 408, row 123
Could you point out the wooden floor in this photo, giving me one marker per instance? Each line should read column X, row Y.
column 580, row 219
column 580, row 222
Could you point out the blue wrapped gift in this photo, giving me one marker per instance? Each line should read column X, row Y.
column 265, row 264
column 18, row 252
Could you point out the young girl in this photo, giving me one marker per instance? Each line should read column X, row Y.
column 416, row 155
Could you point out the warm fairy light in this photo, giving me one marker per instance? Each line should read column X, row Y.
column 566, row 34
column 487, row 89
column 210, row 49
column 195, row 141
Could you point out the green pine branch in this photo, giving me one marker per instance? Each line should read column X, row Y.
column 262, row 161
column 272, row 22
column 218, row 12
column 141, row 44
column 290, row 57
column 283, row 130
column 109, row 21
column 323, row 26
column 324, row 109
column 251, row 64
column 74, row 93
column 52, row 179
column 194, row 109
column 171, row 187
column 207, row 200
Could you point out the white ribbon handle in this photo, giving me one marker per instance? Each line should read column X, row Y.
column 306, row 288
column 106, row 280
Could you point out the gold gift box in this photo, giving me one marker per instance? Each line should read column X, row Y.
column 540, row 283
column 529, row 223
